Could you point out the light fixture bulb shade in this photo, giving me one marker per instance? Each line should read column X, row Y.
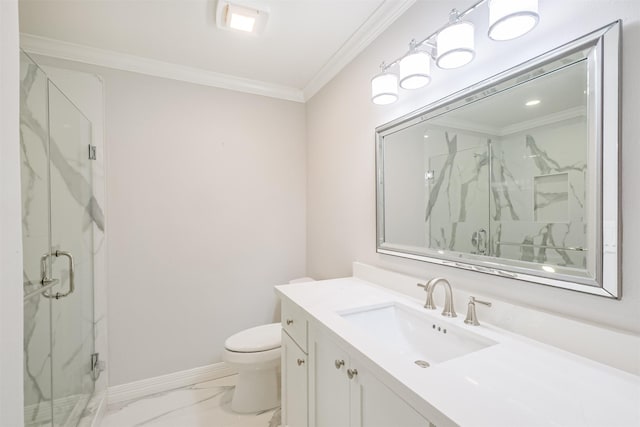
column 455, row 45
column 415, row 70
column 509, row 19
column 384, row 88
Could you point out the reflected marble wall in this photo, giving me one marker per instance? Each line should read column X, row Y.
column 458, row 189
column 538, row 194
column 519, row 196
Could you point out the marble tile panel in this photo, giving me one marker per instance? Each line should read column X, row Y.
column 203, row 404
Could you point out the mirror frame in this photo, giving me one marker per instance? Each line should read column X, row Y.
column 603, row 55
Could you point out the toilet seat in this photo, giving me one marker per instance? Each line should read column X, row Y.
column 258, row 358
column 260, row 339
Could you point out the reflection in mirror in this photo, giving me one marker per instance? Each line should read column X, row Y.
column 505, row 179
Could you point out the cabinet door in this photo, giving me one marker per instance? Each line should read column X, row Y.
column 328, row 383
column 294, row 384
column 375, row 405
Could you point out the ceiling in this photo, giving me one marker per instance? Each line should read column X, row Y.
column 305, row 43
column 561, row 94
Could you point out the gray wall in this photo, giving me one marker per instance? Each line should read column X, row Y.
column 340, row 136
column 206, row 195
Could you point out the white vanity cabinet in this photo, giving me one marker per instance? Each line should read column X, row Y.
column 294, row 367
column 294, row 383
column 342, row 393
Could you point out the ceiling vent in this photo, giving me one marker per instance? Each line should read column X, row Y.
column 241, row 17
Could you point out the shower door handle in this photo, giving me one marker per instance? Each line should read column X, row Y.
column 46, row 280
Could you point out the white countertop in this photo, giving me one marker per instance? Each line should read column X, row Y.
column 517, row 382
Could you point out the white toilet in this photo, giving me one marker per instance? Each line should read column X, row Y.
column 255, row 354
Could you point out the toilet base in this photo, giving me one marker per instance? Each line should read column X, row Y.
column 256, row 390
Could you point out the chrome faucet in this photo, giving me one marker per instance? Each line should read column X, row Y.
column 448, row 310
column 472, row 318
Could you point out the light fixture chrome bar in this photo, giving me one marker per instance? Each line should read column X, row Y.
column 428, row 41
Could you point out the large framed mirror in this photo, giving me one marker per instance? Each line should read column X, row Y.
column 517, row 176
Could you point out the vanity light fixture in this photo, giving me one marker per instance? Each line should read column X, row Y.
column 509, row 19
column 452, row 46
column 384, row 87
column 455, row 43
column 239, row 17
column 415, row 68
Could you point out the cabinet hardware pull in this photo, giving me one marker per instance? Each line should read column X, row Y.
column 289, row 321
column 352, row 373
column 300, row 362
column 339, row 363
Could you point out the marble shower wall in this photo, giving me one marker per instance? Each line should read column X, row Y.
column 538, row 194
column 58, row 380
column 519, row 196
column 35, row 241
column 456, row 213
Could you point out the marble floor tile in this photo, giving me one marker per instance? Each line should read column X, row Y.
column 204, row 404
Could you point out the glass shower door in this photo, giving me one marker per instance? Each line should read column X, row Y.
column 57, row 235
column 72, row 246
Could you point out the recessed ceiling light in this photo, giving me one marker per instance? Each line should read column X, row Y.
column 240, row 21
column 532, row 102
column 234, row 16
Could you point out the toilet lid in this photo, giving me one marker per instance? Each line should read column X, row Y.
column 260, row 338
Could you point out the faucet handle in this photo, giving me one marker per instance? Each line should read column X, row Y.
column 474, row 300
column 472, row 318
column 420, row 285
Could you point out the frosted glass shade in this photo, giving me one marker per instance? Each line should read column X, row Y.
column 509, row 19
column 384, row 89
column 415, row 70
column 455, row 45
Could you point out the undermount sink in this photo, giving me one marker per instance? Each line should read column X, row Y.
column 416, row 336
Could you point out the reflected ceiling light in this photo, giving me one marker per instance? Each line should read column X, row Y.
column 233, row 16
column 455, row 44
column 548, row 269
column 415, row 68
column 532, row 102
column 384, row 87
column 509, row 19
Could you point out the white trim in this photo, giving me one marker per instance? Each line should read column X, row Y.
column 376, row 23
column 137, row 389
column 381, row 18
column 137, row 64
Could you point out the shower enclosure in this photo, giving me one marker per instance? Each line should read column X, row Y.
column 58, row 215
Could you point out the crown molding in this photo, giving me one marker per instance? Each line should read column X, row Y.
column 526, row 125
column 106, row 58
column 381, row 18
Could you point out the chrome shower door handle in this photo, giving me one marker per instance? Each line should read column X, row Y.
column 46, row 280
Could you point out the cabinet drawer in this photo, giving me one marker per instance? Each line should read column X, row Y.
column 295, row 324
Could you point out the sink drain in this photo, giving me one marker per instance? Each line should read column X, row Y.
column 422, row 363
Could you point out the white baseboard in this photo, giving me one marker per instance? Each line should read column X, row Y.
column 137, row 389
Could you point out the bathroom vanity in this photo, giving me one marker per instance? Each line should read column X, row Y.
column 358, row 354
